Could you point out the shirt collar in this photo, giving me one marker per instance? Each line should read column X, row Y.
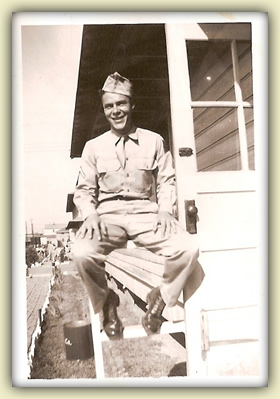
column 133, row 136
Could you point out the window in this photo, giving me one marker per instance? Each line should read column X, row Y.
column 222, row 103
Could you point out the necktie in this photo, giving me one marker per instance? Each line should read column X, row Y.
column 120, row 150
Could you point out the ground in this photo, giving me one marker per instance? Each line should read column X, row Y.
column 155, row 356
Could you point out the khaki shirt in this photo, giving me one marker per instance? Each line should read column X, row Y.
column 148, row 167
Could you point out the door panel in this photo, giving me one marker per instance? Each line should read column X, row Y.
column 231, row 224
column 227, row 274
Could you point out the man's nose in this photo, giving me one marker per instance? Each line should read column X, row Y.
column 116, row 109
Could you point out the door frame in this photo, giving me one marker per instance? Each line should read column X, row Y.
column 176, row 35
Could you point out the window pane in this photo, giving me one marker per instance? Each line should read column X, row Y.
column 210, row 69
column 216, row 139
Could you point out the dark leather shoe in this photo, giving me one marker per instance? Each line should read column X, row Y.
column 152, row 320
column 111, row 322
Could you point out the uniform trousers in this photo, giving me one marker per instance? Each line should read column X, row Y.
column 129, row 221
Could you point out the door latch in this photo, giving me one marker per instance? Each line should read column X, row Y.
column 191, row 216
column 185, row 152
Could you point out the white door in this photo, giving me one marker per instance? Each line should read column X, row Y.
column 211, row 93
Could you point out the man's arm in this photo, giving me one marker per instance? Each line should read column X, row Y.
column 86, row 194
column 166, row 190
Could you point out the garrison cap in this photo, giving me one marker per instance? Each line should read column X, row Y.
column 116, row 83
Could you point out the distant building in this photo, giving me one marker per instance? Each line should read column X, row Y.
column 55, row 234
column 33, row 239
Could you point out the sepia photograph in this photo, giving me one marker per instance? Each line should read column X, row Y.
column 140, row 241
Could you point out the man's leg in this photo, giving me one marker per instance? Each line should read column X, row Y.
column 182, row 270
column 89, row 256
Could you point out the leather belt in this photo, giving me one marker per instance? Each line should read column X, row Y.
column 120, row 197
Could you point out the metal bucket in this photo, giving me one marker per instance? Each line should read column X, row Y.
column 78, row 340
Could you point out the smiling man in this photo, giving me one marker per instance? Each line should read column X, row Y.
column 117, row 109
column 119, row 170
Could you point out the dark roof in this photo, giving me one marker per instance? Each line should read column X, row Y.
column 62, row 231
column 137, row 52
column 75, row 223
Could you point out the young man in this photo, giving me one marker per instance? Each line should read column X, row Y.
column 116, row 179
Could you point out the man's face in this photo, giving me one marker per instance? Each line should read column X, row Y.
column 118, row 112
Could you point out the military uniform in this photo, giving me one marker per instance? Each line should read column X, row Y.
column 127, row 181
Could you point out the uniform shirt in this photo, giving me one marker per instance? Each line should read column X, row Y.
column 148, row 164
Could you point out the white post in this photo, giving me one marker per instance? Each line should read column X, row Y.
column 97, row 343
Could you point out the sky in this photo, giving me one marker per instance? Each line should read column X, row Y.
column 50, row 66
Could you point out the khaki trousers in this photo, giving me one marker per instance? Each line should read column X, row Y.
column 182, row 270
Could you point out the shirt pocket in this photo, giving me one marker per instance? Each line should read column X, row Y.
column 110, row 178
column 143, row 174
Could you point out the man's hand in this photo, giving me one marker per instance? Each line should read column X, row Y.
column 167, row 223
column 92, row 224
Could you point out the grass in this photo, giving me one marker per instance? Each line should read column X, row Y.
column 137, row 357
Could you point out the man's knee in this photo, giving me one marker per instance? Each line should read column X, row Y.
column 191, row 247
column 86, row 253
column 82, row 249
column 77, row 250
